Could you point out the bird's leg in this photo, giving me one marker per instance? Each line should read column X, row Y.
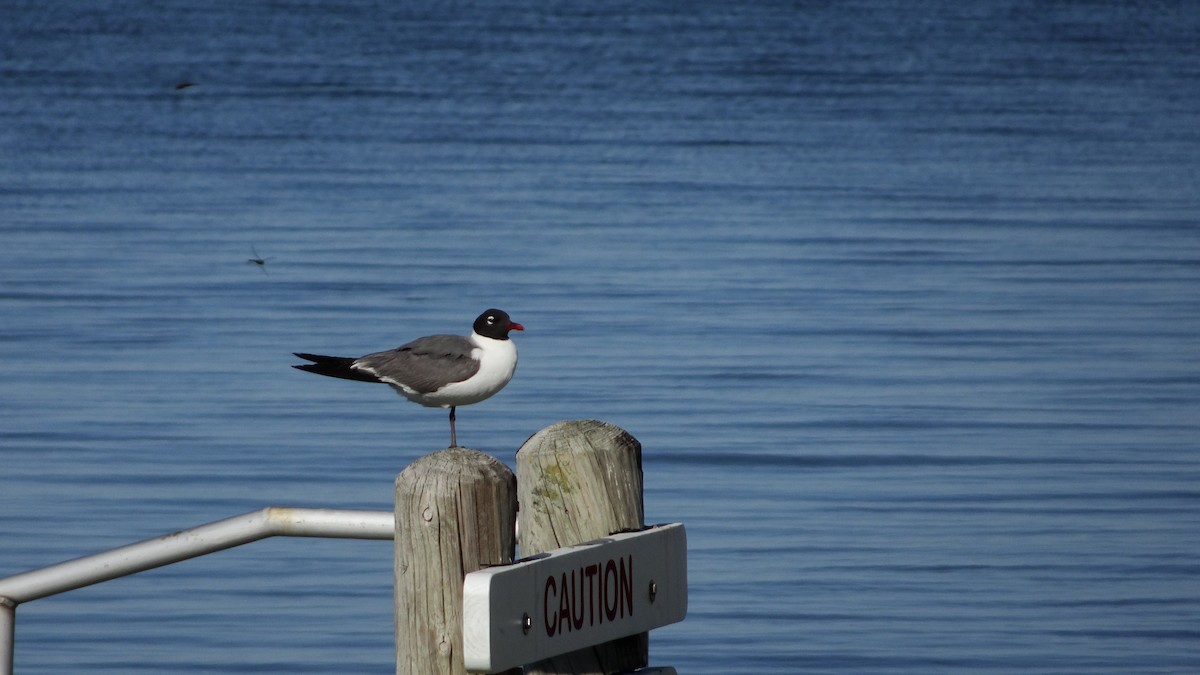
column 453, row 439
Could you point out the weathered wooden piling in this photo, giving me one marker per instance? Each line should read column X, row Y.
column 455, row 511
column 580, row 481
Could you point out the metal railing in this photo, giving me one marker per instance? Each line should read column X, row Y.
column 145, row 555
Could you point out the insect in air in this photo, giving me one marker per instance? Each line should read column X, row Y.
column 258, row 260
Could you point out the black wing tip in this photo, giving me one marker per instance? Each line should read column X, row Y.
column 323, row 365
column 319, row 363
column 333, row 366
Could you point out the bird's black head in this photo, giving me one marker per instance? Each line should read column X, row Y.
column 496, row 324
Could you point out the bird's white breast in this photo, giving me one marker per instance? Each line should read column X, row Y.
column 497, row 363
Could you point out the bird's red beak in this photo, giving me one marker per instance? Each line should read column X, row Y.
column 515, row 326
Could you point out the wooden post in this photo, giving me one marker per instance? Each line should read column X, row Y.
column 579, row 481
column 455, row 511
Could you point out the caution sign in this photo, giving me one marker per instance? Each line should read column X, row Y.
column 574, row 597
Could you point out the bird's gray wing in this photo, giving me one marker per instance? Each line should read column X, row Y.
column 425, row 364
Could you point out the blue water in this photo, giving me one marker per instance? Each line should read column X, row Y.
column 901, row 298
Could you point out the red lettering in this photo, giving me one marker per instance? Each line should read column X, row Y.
column 551, row 589
column 577, row 599
column 599, row 591
column 564, row 606
column 591, row 571
column 610, row 608
column 627, row 586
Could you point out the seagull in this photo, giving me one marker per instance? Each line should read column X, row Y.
column 437, row 371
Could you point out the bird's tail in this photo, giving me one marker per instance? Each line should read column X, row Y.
column 334, row 366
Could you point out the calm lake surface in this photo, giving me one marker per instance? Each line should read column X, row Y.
column 902, row 300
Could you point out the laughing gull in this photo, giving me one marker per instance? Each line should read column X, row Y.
column 437, row 371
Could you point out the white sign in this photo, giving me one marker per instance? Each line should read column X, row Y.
column 575, row 597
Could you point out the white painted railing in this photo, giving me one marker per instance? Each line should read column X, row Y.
column 271, row 521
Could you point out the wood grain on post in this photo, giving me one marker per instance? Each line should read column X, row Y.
column 455, row 510
column 580, row 481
